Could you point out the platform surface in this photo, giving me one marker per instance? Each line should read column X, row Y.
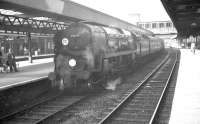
column 27, row 71
column 186, row 102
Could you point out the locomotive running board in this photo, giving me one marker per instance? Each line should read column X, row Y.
column 120, row 53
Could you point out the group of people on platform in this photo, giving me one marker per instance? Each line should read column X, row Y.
column 7, row 61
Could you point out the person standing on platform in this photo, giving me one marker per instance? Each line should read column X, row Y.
column 1, row 61
column 193, row 47
column 11, row 61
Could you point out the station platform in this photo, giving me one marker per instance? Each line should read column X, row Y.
column 27, row 71
column 186, row 102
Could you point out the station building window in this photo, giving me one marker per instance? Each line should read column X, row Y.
column 142, row 25
column 147, row 26
column 153, row 25
column 161, row 25
column 168, row 24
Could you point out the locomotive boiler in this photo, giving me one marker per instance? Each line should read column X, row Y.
column 88, row 54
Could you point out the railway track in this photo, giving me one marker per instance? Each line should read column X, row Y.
column 45, row 110
column 140, row 105
column 164, row 110
column 42, row 110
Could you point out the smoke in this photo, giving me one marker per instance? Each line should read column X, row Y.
column 111, row 85
column 89, row 57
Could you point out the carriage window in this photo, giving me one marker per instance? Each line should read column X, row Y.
column 124, row 44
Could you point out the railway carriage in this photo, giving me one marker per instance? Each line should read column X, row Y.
column 87, row 54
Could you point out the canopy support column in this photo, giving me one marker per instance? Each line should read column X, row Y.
column 30, row 58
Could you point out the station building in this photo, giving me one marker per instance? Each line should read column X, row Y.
column 167, row 31
column 41, row 44
column 162, row 29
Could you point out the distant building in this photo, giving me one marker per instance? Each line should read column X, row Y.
column 162, row 29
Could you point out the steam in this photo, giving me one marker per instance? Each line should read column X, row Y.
column 111, row 85
column 61, row 84
column 89, row 57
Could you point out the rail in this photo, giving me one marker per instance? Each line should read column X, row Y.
column 166, row 85
column 104, row 120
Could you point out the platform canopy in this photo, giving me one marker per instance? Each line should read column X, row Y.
column 185, row 15
column 67, row 11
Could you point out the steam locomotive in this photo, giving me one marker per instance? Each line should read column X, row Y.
column 87, row 54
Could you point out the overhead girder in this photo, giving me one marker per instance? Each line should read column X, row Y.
column 68, row 10
column 182, row 2
column 20, row 24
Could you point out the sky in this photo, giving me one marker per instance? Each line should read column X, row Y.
column 129, row 10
